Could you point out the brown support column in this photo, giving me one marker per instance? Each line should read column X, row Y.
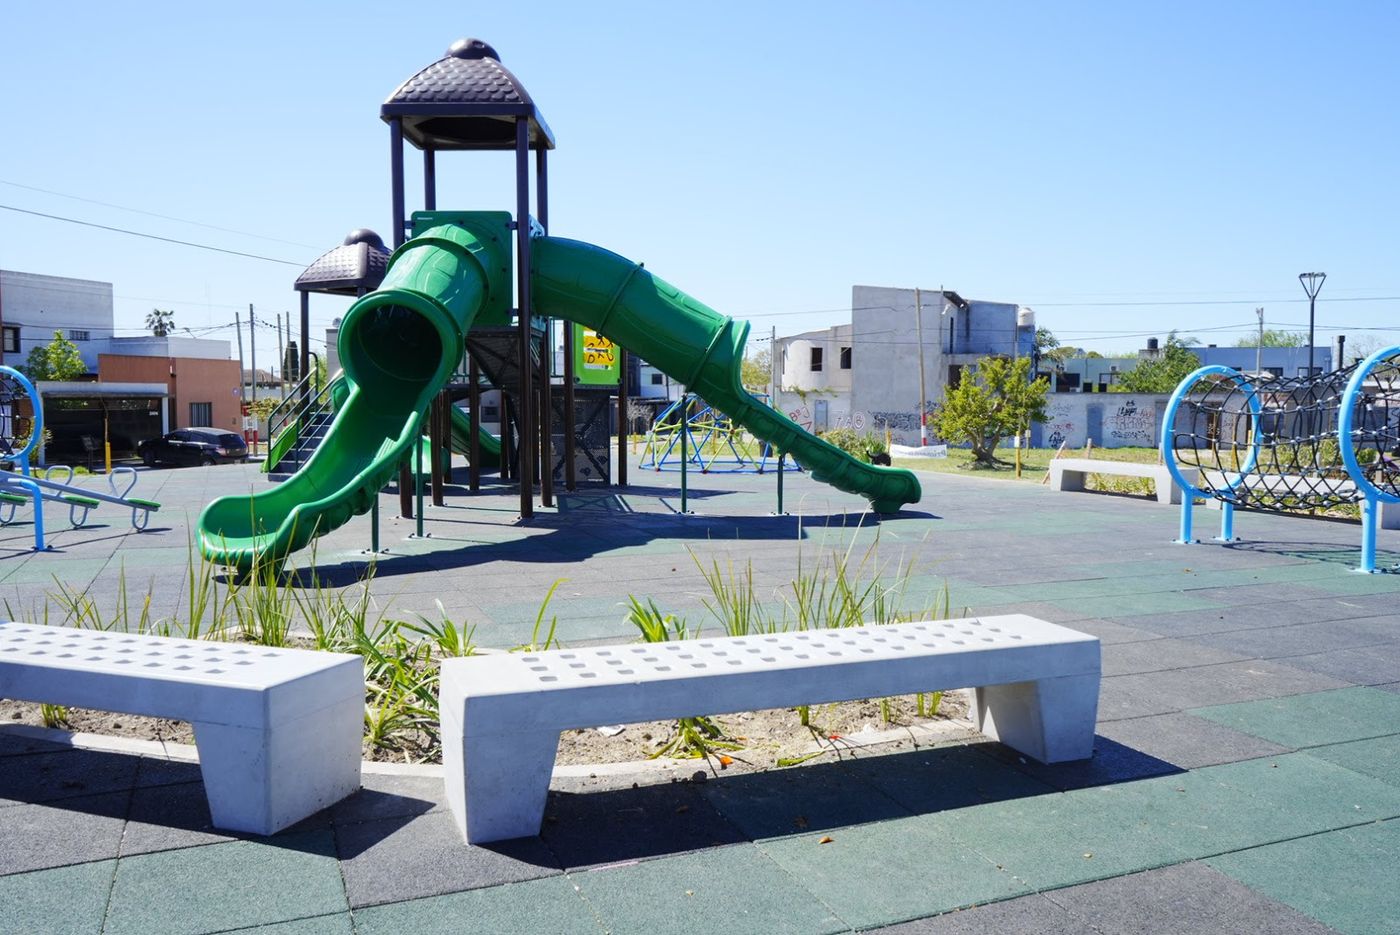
column 546, row 411
column 435, row 446
column 474, row 400
column 526, row 418
column 570, row 409
column 396, row 183
column 622, row 416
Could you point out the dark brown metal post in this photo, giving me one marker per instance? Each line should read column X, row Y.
column 546, row 419
column 508, row 464
column 622, row 425
column 474, row 400
column 305, row 350
column 429, row 179
column 435, row 446
column 396, row 184
column 570, row 410
column 522, row 277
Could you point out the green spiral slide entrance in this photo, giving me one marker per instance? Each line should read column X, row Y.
column 398, row 347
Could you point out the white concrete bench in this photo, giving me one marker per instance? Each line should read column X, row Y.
column 1037, row 691
column 278, row 730
column 1069, row 474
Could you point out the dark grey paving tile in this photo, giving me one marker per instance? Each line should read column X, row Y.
column 1373, row 665
column 550, row 905
column 176, row 815
column 631, row 824
column 1117, row 701
column 1025, row 915
column 791, row 801
column 47, row 776
column 1186, row 899
column 1306, row 638
column 1187, row 741
column 1199, row 686
column 385, row 795
column 1112, row 762
column 945, row 778
column 1108, row 632
column 16, row 743
column 55, row 834
column 396, row 859
column 1160, row 654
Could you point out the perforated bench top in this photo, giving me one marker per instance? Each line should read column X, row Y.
column 116, row 671
column 739, row 673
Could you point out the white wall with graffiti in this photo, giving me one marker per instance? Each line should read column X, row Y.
column 1110, row 420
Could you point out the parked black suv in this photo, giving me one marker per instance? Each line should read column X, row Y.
column 200, row 445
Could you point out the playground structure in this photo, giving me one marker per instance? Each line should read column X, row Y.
column 448, row 287
column 1288, row 445
column 691, row 432
column 19, row 486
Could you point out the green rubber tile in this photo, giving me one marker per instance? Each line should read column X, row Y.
column 890, row 872
column 1345, row 879
column 1378, row 757
column 64, row 901
column 225, row 886
column 1058, row 840
column 1134, row 605
column 1345, row 582
column 737, row 889
column 337, row 924
column 1325, row 794
column 538, row 906
column 1313, row 719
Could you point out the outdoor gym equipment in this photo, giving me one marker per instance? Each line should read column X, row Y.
column 23, row 488
column 712, row 440
column 1288, row 445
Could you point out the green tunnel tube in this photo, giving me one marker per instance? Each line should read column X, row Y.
column 399, row 345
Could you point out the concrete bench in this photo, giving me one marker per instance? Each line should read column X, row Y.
column 278, row 730
column 1069, row 474
column 1037, row 691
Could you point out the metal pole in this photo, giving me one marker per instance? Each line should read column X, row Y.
column 781, row 458
column 396, row 177
column 1259, row 351
column 1312, row 285
column 685, row 457
column 773, row 367
column 418, row 476
column 525, row 417
column 474, row 400
column 374, row 525
column 923, row 404
column 282, row 358
column 622, row 425
column 305, row 348
column 253, row 364
column 429, row 179
column 546, row 419
column 570, row 410
column 435, row 445
column 238, row 330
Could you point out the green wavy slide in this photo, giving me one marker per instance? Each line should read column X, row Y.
column 399, row 344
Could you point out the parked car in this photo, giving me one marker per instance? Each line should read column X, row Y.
column 199, row 445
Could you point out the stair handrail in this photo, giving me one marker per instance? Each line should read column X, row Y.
column 309, row 397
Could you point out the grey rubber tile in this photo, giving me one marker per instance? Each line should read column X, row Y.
column 1025, row 915
column 1186, row 741
column 1111, row 762
column 396, row 859
column 390, row 796
column 63, row 774
column 1161, row 654
column 55, row 834
column 945, row 778
column 1344, row 879
column 63, row 901
column 1371, row 665
column 793, row 801
column 1186, row 899
column 550, row 905
column 1118, row 701
column 584, row 830
column 1225, row 683
column 16, row 743
column 737, row 887
column 1305, row 638
column 164, row 818
column 225, row 886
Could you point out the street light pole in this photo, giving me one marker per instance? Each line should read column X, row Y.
column 1312, row 285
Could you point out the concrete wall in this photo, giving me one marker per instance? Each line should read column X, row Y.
column 40, row 305
column 188, row 380
column 1111, row 420
column 795, row 360
column 170, row 346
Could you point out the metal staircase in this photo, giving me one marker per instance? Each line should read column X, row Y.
column 296, row 426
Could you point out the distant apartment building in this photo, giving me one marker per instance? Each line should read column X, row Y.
column 1080, row 374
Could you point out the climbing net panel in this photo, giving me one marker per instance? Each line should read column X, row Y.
column 1285, row 445
column 16, row 414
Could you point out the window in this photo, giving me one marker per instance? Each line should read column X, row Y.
column 79, row 335
column 11, row 340
column 656, row 379
column 816, row 359
column 490, row 413
column 201, row 413
column 845, row 358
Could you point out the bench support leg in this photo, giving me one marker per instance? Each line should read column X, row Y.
column 1051, row 720
column 261, row 781
column 498, row 785
column 1066, row 480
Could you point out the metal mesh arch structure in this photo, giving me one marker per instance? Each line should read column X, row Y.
column 1287, row 445
column 714, row 442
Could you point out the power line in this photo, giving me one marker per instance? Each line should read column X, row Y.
column 153, row 214
column 122, row 230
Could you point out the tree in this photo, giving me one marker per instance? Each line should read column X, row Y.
column 993, row 399
column 1274, row 337
column 57, row 360
column 1160, row 374
column 757, row 370
column 1045, row 340
column 161, row 322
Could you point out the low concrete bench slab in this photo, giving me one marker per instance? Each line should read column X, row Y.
column 1037, row 691
column 278, row 730
column 1069, row 474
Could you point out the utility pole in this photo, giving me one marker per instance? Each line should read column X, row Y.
column 281, row 358
column 923, row 402
column 773, row 367
column 1312, row 285
column 253, row 364
column 1259, row 351
column 238, row 331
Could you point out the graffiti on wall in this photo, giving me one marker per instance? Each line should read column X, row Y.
column 1130, row 424
column 1064, row 423
column 802, row 416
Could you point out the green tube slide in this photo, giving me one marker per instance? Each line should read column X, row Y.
column 695, row 346
column 399, row 345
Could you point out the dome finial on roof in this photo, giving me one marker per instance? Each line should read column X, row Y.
column 472, row 48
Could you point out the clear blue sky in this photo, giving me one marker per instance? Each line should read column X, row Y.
column 762, row 156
